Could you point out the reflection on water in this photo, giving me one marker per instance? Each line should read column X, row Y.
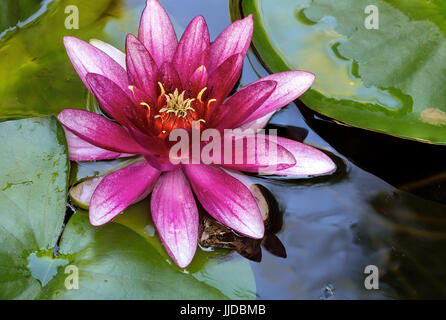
column 333, row 227
column 333, row 230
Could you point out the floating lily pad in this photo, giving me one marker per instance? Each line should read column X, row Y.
column 36, row 76
column 33, row 190
column 389, row 80
column 113, row 262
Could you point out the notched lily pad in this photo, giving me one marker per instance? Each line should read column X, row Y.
column 388, row 80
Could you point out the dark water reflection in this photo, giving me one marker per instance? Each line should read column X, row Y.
column 333, row 227
column 332, row 230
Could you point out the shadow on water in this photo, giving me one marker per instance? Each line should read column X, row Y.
column 409, row 165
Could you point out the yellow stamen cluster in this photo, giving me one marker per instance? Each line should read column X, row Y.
column 176, row 104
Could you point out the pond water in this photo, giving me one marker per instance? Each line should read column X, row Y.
column 332, row 228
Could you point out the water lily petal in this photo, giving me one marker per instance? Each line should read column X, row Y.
column 193, row 49
column 141, row 67
column 120, row 189
column 235, row 39
column 290, row 85
column 175, row 216
column 81, row 150
column 110, row 96
column 152, row 144
column 89, row 59
column 168, row 76
column 224, row 78
column 254, row 189
column 197, row 81
column 99, row 131
column 112, row 51
column 255, row 153
column 156, row 32
column 243, row 103
column 259, row 123
column 309, row 161
column 226, row 199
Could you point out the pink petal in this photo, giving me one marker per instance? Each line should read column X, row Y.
column 168, row 76
column 110, row 96
column 235, row 39
column 259, row 123
column 161, row 162
column 120, row 189
column 226, row 199
column 256, row 153
column 89, row 59
column 156, row 33
column 175, row 216
column 243, row 103
column 153, row 145
column 136, row 114
column 193, row 49
column 99, row 131
column 309, row 161
column 111, row 51
column 254, row 189
column 224, row 78
column 81, row 150
column 141, row 67
column 139, row 95
column 198, row 81
column 290, row 85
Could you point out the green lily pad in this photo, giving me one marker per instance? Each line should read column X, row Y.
column 125, row 260
column 33, row 190
column 36, row 77
column 113, row 262
column 122, row 260
column 389, row 80
column 15, row 13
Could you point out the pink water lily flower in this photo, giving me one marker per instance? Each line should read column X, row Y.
column 160, row 85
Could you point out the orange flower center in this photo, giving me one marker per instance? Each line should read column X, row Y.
column 176, row 110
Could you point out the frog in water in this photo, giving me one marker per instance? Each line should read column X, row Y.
column 215, row 235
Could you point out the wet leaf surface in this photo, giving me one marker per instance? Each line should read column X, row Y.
column 33, row 190
column 116, row 263
column 387, row 80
